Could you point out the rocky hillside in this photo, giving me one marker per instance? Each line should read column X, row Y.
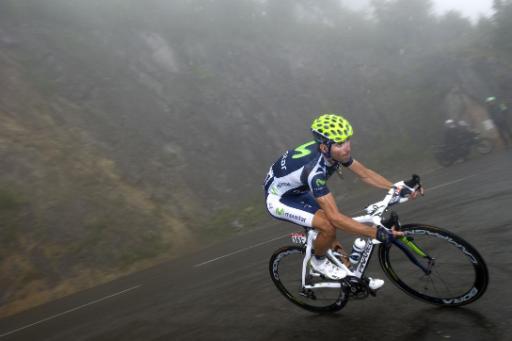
column 118, row 146
column 68, row 207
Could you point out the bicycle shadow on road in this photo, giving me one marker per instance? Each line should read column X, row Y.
column 432, row 323
column 454, row 323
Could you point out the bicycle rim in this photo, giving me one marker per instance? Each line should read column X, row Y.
column 285, row 268
column 458, row 274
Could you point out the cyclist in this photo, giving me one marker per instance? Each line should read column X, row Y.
column 296, row 190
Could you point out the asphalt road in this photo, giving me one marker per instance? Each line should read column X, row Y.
column 225, row 293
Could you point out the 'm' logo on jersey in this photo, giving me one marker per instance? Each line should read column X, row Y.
column 320, row 182
column 280, row 211
column 303, row 150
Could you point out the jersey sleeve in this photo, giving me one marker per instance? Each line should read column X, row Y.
column 318, row 184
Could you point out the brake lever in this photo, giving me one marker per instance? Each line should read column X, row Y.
column 415, row 184
column 415, row 181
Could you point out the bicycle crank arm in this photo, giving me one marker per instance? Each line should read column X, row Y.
column 323, row 285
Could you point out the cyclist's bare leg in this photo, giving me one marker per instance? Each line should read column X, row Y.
column 336, row 246
column 326, row 236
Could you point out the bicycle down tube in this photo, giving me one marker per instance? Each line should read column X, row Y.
column 375, row 212
column 358, row 272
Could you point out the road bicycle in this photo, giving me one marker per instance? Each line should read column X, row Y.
column 428, row 263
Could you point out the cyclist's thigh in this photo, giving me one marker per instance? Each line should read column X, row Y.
column 297, row 209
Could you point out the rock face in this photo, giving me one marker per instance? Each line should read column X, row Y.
column 118, row 145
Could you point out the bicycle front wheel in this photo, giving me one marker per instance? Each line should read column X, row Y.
column 453, row 273
column 285, row 268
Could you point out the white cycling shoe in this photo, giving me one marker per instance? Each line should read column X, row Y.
column 375, row 283
column 327, row 268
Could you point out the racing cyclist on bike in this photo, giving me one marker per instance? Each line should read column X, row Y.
column 296, row 191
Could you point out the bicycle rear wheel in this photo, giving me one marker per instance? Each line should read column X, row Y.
column 457, row 273
column 285, row 268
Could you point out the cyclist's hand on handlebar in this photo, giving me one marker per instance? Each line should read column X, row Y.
column 409, row 189
column 397, row 233
column 389, row 230
column 387, row 236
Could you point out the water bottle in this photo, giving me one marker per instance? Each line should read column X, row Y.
column 357, row 250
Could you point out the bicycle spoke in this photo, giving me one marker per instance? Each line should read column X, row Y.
column 286, row 270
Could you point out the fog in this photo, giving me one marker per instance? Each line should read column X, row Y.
column 135, row 131
column 470, row 9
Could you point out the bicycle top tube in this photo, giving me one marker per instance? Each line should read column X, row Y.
column 373, row 212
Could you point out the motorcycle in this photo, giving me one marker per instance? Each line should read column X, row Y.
column 448, row 153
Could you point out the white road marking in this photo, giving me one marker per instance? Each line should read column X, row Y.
column 450, row 183
column 69, row 311
column 286, row 235
column 432, row 170
column 241, row 250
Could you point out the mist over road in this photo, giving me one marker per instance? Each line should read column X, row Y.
column 225, row 293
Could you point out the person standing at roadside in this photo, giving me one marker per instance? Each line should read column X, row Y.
column 498, row 113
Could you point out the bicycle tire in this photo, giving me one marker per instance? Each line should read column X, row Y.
column 292, row 291
column 461, row 260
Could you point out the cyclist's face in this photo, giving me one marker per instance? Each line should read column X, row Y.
column 341, row 151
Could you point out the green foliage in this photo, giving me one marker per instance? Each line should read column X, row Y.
column 503, row 26
column 9, row 200
column 11, row 204
column 238, row 218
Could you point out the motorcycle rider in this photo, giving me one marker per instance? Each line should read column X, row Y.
column 457, row 137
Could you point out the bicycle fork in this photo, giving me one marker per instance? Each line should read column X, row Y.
column 409, row 248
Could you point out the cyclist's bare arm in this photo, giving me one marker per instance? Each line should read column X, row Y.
column 341, row 221
column 345, row 223
column 368, row 176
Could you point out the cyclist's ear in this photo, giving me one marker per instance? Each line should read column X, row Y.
column 323, row 148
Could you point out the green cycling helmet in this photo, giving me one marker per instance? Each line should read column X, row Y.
column 331, row 128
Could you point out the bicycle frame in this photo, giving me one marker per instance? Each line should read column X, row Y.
column 373, row 216
column 358, row 272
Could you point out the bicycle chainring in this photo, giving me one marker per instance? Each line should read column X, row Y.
column 357, row 287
